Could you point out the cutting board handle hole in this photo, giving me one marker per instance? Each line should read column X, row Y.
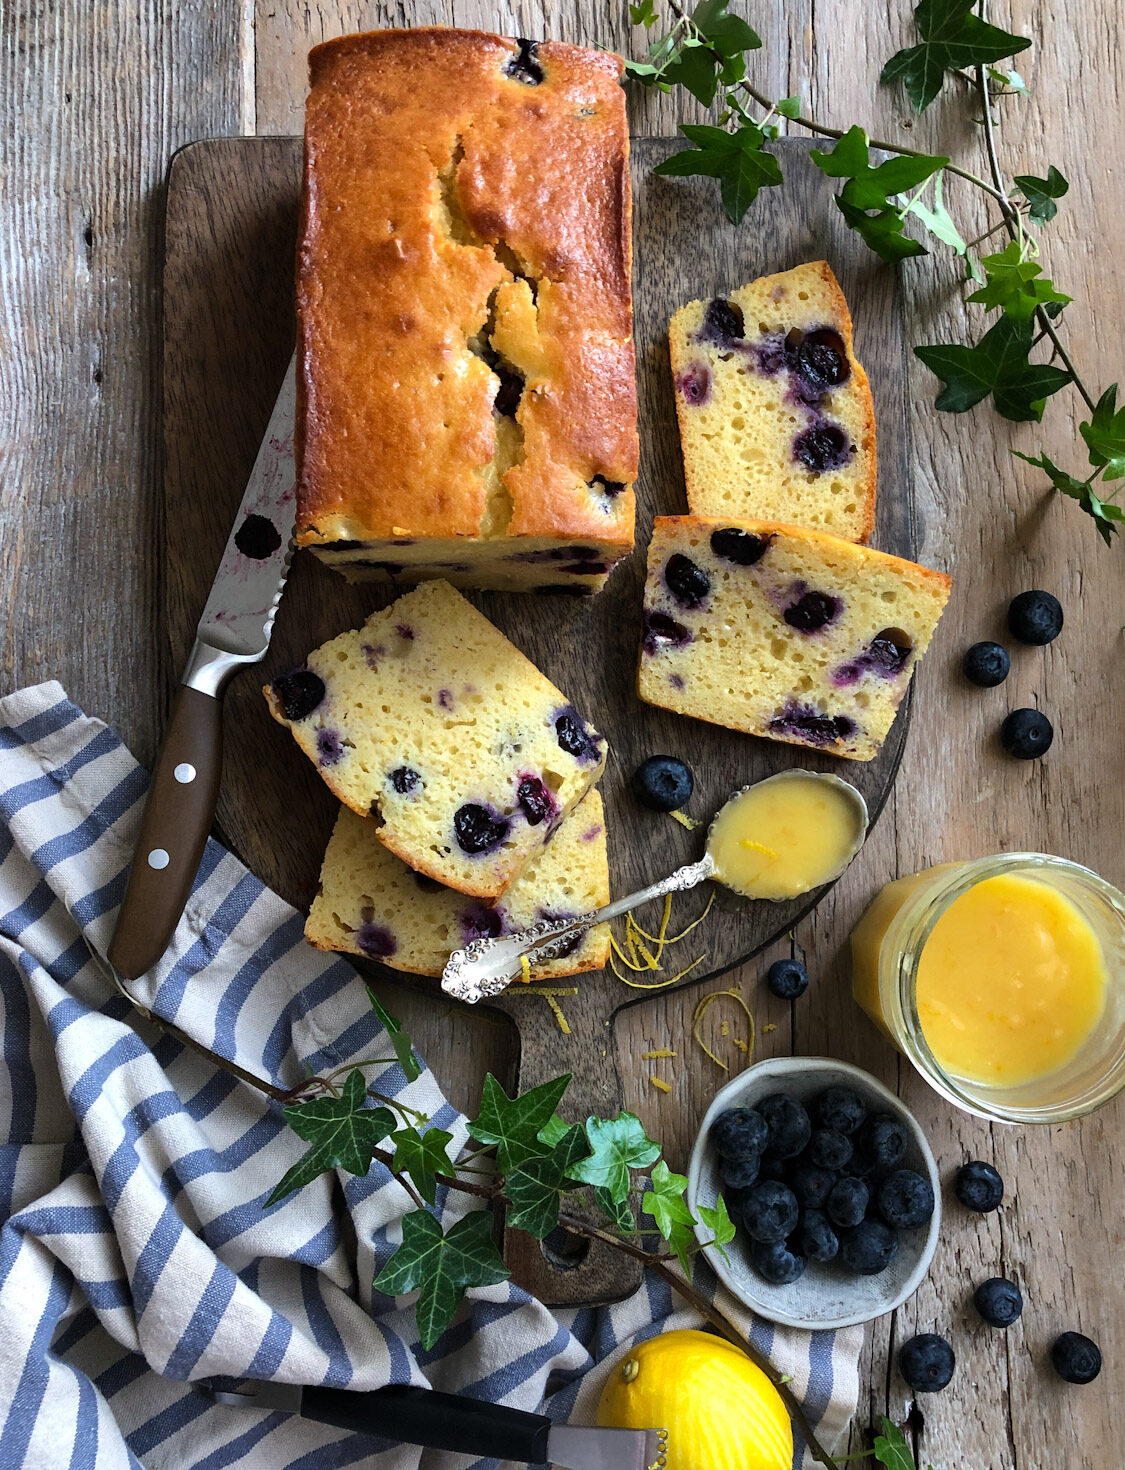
column 564, row 1250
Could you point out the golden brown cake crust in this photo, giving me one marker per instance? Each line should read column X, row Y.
column 432, row 178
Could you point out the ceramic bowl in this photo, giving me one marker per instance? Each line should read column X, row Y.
column 825, row 1296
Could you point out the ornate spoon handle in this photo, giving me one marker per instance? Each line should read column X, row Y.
column 488, row 966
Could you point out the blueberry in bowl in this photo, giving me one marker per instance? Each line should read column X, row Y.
column 842, row 1259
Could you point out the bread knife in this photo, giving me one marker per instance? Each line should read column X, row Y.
column 447, row 1421
column 234, row 631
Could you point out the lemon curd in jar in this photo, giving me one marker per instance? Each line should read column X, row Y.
column 1001, row 979
column 787, row 835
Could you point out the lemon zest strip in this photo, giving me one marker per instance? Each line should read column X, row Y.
column 684, row 820
column 700, row 1012
column 758, row 847
column 525, row 968
column 564, row 1026
column 659, row 1082
column 661, row 1051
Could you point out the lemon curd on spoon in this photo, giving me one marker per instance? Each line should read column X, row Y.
column 787, row 835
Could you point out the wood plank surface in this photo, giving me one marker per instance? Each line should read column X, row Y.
column 95, row 96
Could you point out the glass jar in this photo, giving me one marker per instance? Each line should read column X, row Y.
column 886, row 948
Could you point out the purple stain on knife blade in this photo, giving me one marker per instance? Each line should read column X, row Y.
column 257, row 537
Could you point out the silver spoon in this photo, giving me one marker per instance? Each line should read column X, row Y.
column 487, row 966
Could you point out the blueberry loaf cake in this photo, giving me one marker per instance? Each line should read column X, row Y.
column 783, row 632
column 775, row 413
column 369, row 903
column 466, row 387
column 430, row 724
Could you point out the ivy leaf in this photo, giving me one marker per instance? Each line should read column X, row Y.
column 440, row 1266
column 617, row 1145
column 643, row 14
column 939, row 221
column 891, row 1449
column 344, row 1134
column 1009, row 79
column 1012, row 284
column 513, row 1123
column 422, row 1155
column 533, row 1189
column 694, row 68
column 999, row 365
column 719, row 1223
column 881, row 232
column 665, row 1200
column 643, row 72
column 788, row 107
column 682, row 1239
column 398, row 1038
column 1107, row 516
column 873, row 187
column 1042, row 193
column 736, row 159
column 952, row 37
column 730, row 35
column 1105, row 435
column 553, row 1130
column 618, row 1211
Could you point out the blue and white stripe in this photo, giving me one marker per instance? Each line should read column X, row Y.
column 137, row 1253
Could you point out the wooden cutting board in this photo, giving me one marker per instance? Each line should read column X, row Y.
column 228, row 317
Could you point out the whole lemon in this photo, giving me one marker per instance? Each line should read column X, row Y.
column 720, row 1410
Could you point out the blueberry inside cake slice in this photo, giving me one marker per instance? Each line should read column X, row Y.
column 783, row 632
column 370, row 903
column 776, row 419
column 428, row 722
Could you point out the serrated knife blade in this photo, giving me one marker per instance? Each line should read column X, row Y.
column 233, row 632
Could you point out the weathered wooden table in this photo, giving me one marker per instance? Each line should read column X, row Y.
column 96, row 95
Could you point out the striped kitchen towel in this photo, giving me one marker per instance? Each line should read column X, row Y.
column 137, row 1252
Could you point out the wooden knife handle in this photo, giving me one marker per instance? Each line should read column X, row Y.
column 177, row 818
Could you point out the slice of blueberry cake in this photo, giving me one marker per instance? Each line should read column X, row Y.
column 430, row 723
column 369, row 903
column 775, row 412
column 783, row 632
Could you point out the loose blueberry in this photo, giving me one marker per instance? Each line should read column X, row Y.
column 978, row 1186
column 986, row 665
column 688, row 583
column 811, row 1184
column 743, row 548
column 662, row 783
column 695, row 384
column 524, row 67
column 829, row 1149
column 574, row 737
column 769, row 1211
column 660, row 629
column 1026, row 734
column 479, row 829
column 404, row 779
column 739, row 1131
column 787, row 979
column 478, row 921
column 257, row 538
column 822, row 360
column 776, row 1263
column 1035, row 617
column 299, row 693
column 999, row 1301
column 813, row 611
column 375, row 941
column 905, row 1199
column 1076, row 1358
column 847, row 1200
column 823, row 447
column 787, row 1124
column 535, row 800
column 740, row 1173
column 773, row 1167
column 815, row 1238
column 869, row 1248
column 723, row 323
column 329, row 747
column 882, row 1141
column 841, row 1108
column 926, row 1362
